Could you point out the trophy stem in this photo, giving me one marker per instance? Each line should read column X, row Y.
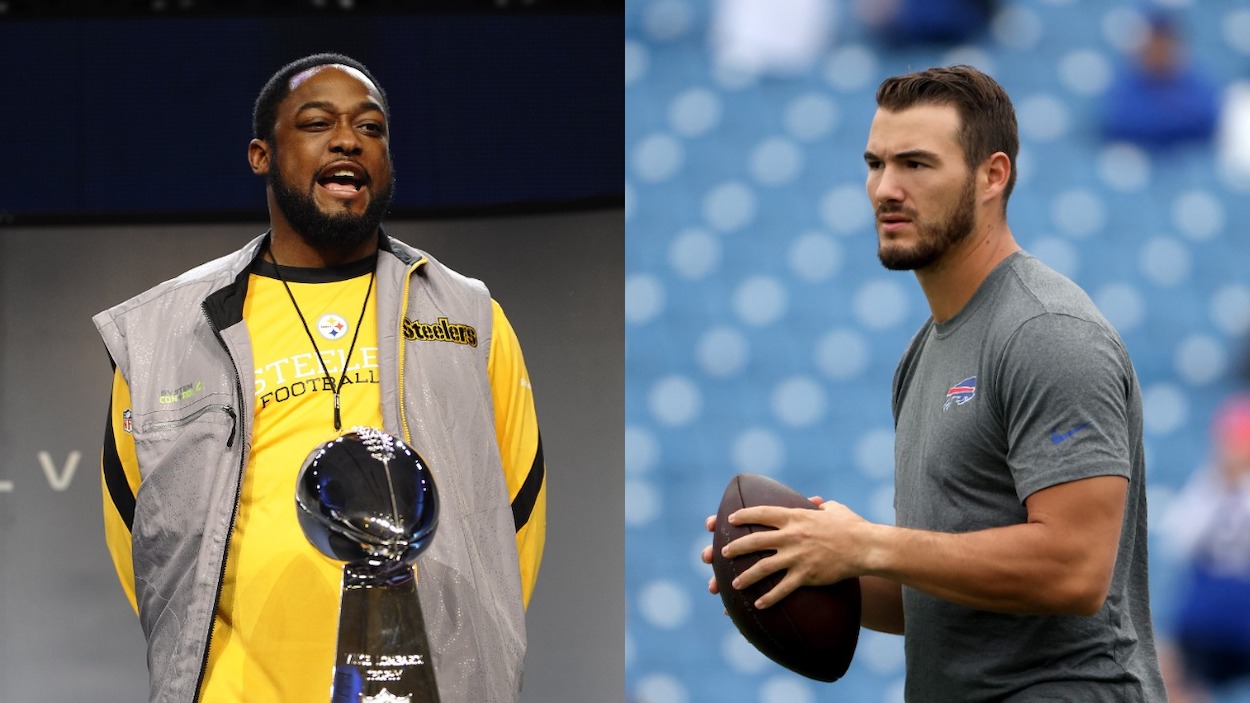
column 383, row 651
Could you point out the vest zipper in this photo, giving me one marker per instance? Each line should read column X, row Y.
column 403, row 312
column 234, row 512
column 403, row 416
column 172, row 424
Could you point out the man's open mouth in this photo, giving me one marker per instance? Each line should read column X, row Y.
column 343, row 179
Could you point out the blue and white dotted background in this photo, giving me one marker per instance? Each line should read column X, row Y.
column 762, row 334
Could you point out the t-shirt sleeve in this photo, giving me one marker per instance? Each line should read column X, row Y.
column 1065, row 392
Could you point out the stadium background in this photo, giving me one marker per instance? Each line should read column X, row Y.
column 127, row 135
column 762, row 334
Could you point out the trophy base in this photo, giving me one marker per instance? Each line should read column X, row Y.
column 383, row 651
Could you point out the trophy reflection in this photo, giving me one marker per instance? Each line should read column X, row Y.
column 369, row 500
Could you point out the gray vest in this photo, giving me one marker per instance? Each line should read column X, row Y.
column 186, row 355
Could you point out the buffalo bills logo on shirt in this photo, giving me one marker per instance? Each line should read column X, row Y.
column 961, row 392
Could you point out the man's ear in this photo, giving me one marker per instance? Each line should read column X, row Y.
column 997, row 172
column 258, row 154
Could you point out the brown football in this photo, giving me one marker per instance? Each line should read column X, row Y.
column 814, row 630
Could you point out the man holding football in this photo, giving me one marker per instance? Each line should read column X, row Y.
column 1017, row 570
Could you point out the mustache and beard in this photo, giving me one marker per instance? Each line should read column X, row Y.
column 341, row 231
column 934, row 239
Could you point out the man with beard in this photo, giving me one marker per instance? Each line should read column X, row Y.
column 1016, row 570
column 229, row 375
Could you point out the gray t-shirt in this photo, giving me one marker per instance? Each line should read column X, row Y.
column 1027, row 387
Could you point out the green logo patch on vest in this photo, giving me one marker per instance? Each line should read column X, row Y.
column 182, row 393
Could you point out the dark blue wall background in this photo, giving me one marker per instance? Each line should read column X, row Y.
column 140, row 118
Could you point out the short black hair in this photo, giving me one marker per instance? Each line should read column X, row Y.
column 265, row 113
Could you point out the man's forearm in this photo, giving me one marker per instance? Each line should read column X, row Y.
column 882, row 605
column 1060, row 561
column 1019, row 568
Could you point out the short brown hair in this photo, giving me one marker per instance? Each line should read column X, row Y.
column 986, row 117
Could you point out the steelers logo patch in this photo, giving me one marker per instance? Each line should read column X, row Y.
column 332, row 326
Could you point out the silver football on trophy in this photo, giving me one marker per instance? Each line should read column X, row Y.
column 367, row 498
